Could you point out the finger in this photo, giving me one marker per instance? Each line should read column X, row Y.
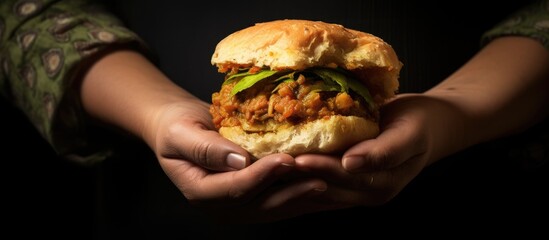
column 374, row 189
column 399, row 141
column 284, row 195
column 324, row 166
column 281, row 202
column 207, row 148
column 329, row 168
column 235, row 186
column 371, row 188
column 348, row 189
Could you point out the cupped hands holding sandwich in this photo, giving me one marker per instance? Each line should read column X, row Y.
column 217, row 174
column 263, row 174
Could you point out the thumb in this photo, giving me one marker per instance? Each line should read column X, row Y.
column 206, row 148
column 394, row 146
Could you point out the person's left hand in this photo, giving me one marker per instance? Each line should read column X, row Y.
column 415, row 130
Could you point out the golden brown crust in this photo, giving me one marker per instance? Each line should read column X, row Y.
column 299, row 44
column 320, row 136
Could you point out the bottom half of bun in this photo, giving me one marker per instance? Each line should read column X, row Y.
column 327, row 135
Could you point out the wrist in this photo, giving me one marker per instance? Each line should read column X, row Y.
column 123, row 89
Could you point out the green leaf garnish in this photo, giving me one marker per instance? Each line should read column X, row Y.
column 323, row 87
column 332, row 80
column 237, row 75
column 359, row 88
column 331, row 75
column 286, row 77
column 346, row 82
column 250, row 80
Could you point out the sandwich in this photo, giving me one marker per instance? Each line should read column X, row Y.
column 300, row 86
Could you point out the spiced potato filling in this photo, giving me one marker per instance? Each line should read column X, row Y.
column 262, row 100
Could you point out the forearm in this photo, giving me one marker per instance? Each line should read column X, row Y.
column 500, row 91
column 124, row 89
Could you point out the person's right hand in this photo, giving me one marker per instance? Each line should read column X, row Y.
column 211, row 171
column 125, row 90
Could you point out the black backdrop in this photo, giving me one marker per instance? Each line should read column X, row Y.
column 130, row 197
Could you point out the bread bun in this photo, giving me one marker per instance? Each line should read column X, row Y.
column 319, row 136
column 301, row 45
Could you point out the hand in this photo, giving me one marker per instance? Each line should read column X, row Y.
column 184, row 130
column 415, row 130
column 418, row 129
column 124, row 89
column 193, row 155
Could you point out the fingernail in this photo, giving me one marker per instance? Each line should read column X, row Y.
column 353, row 162
column 287, row 164
column 236, row 161
column 285, row 168
column 321, row 188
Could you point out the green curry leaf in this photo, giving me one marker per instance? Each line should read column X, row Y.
column 345, row 82
column 359, row 88
column 250, row 79
column 332, row 80
column 323, row 87
column 331, row 75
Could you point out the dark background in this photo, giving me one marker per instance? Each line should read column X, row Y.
column 481, row 189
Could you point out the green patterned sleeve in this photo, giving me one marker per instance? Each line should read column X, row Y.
column 43, row 46
column 531, row 21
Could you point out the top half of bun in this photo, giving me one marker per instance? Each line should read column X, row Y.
column 300, row 44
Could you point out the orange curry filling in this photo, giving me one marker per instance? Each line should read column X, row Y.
column 291, row 102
